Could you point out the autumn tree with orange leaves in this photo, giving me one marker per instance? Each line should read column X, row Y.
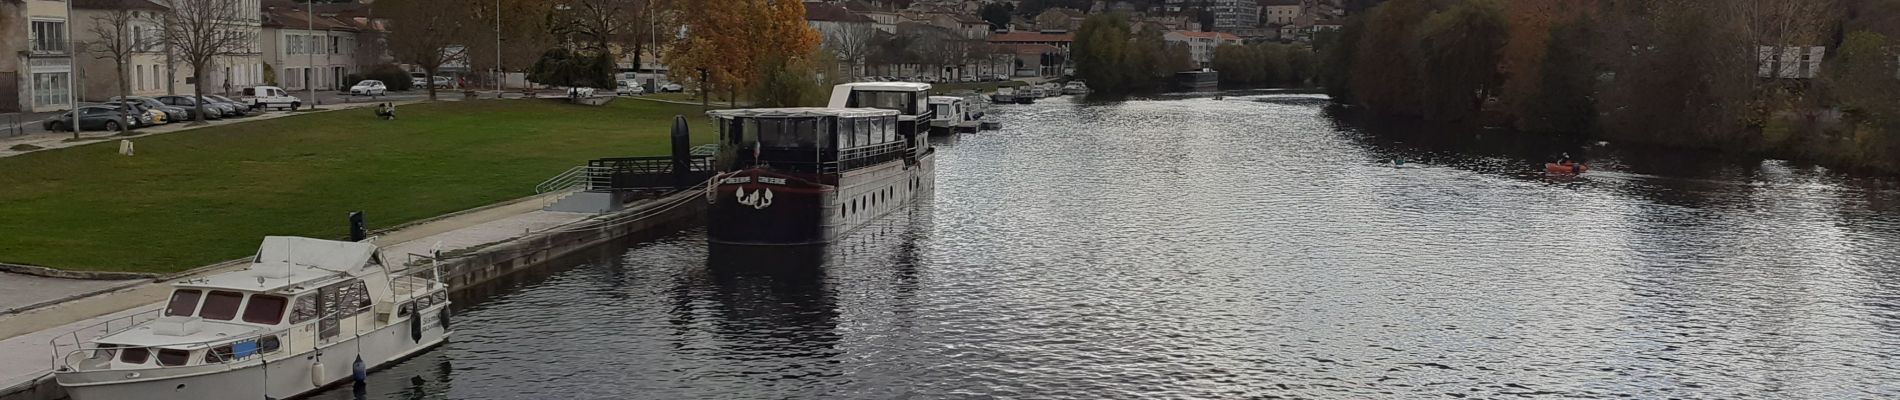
column 736, row 43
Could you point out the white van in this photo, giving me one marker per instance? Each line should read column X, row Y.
column 261, row 97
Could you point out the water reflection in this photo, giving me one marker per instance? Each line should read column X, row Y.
column 1262, row 245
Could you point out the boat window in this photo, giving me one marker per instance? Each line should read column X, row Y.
column 363, row 301
column 787, row 132
column 405, row 309
column 865, row 132
column 183, row 302
column 268, row 344
column 174, row 357
column 899, row 101
column 885, row 129
column 440, row 297
column 135, row 355
column 847, row 129
column 304, row 310
column 749, row 130
column 221, row 305
column 105, row 351
column 219, row 354
column 265, row 309
column 424, row 301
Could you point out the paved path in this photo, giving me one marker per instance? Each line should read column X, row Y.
column 26, row 291
column 26, row 355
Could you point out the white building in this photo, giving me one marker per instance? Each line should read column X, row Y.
column 148, row 72
column 308, row 50
column 1791, row 62
column 36, row 57
column 1201, row 45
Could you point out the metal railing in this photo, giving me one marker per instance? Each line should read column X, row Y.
column 565, row 181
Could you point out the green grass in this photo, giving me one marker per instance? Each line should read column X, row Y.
column 197, row 197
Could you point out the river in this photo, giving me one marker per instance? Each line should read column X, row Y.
column 1257, row 246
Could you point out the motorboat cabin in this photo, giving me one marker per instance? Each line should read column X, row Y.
column 306, row 313
column 907, row 98
column 801, row 176
column 954, row 114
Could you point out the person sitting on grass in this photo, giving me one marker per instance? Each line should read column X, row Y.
column 386, row 111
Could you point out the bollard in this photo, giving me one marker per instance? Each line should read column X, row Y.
column 125, row 147
column 357, row 232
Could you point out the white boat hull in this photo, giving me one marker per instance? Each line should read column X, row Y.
column 276, row 376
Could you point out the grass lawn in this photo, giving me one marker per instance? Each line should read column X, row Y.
column 197, row 197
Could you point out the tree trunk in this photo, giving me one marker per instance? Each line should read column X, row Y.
column 123, row 93
column 198, row 92
column 429, row 79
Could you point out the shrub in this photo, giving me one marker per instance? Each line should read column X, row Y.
column 392, row 76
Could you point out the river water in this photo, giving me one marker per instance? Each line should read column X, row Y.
column 1258, row 246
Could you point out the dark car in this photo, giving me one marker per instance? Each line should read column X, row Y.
column 229, row 109
column 241, row 108
column 190, row 104
column 95, row 118
column 172, row 113
column 137, row 115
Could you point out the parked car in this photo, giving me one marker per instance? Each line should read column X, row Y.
column 93, row 118
column 231, row 109
column 369, row 87
column 265, row 97
column 242, row 107
column 138, row 115
column 672, row 88
column 580, row 92
column 190, row 105
column 443, row 82
column 628, row 88
column 172, row 113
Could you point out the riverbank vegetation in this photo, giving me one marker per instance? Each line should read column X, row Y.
column 1116, row 60
column 1264, row 65
column 206, row 195
column 1683, row 73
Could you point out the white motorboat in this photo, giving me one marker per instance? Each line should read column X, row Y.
column 307, row 313
column 1075, row 87
column 954, row 114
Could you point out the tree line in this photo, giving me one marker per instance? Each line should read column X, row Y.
column 1116, row 60
column 1265, row 65
column 1687, row 73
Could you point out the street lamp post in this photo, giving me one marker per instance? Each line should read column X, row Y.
column 309, row 23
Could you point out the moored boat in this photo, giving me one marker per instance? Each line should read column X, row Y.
column 806, row 176
column 1565, row 168
column 953, row 114
column 1076, row 88
column 306, row 313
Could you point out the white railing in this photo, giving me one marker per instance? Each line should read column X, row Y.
column 566, row 181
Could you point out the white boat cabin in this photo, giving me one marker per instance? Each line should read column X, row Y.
column 298, row 294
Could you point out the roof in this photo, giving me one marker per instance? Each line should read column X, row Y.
column 117, row 4
column 1032, row 37
column 801, row 112
column 1031, row 48
column 286, row 261
column 832, row 12
column 295, row 17
column 1207, row 35
column 1273, row 3
column 887, row 86
column 944, row 99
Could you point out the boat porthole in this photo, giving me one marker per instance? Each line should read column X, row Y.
column 181, row 387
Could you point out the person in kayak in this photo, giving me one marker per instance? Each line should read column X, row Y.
column 1564, row 159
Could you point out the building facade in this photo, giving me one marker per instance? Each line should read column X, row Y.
column 305, row 50
column 147, row 69
column 1231, row 15
column 1201, row 45
column 38, row 54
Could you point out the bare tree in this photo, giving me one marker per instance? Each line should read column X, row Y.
column 425, row 33
column 200, row 31
column 601, row 25
column 117, row 43
column 852, row 42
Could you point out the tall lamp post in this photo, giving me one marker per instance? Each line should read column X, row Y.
column 72, row 70
column 500, row 74
column 309, row 27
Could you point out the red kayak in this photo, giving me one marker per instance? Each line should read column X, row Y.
column 1571, row 168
